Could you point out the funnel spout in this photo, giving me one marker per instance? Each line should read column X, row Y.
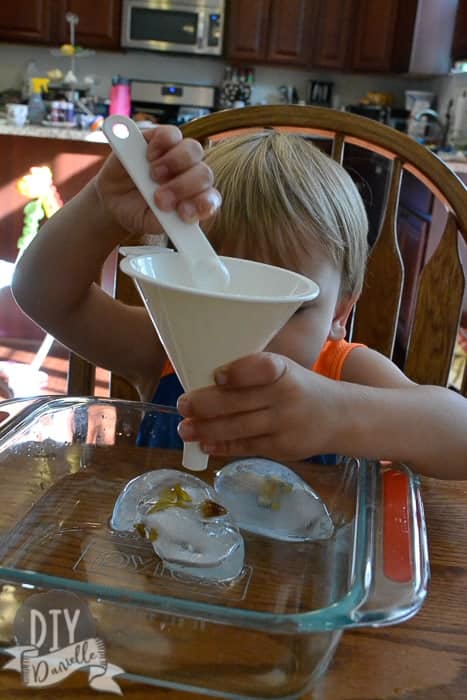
column 194, row 458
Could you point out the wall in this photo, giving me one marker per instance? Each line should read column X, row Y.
column 146, row 65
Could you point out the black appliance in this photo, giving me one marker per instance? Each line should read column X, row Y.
column 379, row 113
column 171, row 103
column 319, row 93
column 397, row 117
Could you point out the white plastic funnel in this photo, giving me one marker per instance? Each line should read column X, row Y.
column 203, row 264
column 201, row 330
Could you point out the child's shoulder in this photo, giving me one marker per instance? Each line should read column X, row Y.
column 332, row 357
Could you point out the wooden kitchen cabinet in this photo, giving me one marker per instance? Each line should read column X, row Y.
column 28, row 21
column 351, row 35
column 270, row 31
column 364, row 35
column 99, row 23
column 383, row 35
column 331, row 43
column 290, row 31
column 247, row 28
column 43, row 22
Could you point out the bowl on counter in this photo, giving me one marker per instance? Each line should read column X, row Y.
column 268, row 633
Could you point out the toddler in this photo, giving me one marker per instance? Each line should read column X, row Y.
column 311, row 392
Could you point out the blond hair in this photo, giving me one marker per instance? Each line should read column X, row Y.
column 282, row 196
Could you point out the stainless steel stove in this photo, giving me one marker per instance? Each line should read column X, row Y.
column 171, row 103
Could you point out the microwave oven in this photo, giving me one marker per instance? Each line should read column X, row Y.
column 182, row 26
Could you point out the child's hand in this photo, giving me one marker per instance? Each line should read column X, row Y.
column 186, row 183
column 263, row 404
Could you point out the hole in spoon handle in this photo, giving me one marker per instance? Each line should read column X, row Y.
column 130, row 146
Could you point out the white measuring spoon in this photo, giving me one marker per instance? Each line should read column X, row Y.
column 128, row 143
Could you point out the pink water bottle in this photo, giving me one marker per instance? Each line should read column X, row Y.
column 120, row 96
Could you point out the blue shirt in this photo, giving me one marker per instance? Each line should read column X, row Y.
column 159, row 429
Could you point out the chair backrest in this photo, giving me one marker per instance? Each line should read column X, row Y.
column 413, row 319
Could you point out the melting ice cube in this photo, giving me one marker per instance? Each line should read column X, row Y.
column 269, row 499
column 182, row 518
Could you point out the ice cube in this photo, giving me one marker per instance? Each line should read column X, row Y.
column 269, row 499
column 150, row 485
column 189, row 529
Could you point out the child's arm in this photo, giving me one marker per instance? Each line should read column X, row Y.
column 268, row 405
column 54, row 278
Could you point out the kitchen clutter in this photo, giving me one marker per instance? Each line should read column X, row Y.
column 289, row 94
column 36, row 104
column 120, row 96
column 319, row 93
column 380, row 107
column 445, row 132
column 71, row 51
column 459, row 125
column 47, row 98
column 16, row 114
column 62, row 95
column 416, row 102
column 236, row 87
column 57, row 97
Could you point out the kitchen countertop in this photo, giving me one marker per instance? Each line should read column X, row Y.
column 457, row 162
column 52, row 132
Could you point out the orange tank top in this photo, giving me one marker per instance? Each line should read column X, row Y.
column 332, row 357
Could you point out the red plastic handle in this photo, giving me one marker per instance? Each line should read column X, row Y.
column 397, row 541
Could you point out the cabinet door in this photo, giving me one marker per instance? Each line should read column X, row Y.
column 26, row 21
column 375, row 35
column 384, row 33
column 333, row 30
column 247, row 29
column 290, row 32
column 98, row 26
column 459, row 45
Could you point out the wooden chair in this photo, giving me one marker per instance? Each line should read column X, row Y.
column 439, row 288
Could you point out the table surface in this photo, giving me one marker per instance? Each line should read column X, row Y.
column 423, row 658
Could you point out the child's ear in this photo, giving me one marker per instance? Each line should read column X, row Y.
column 341, row 316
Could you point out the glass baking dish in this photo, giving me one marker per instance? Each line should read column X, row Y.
column 268, row 633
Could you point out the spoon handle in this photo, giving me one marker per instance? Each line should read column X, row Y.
column 130, row 146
